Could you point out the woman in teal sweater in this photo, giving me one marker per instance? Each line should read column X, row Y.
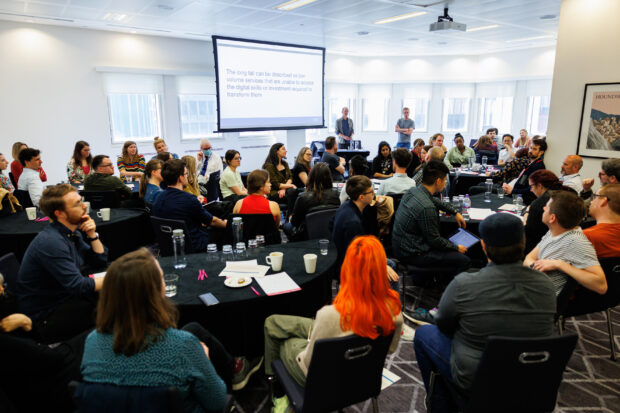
column 136, row 342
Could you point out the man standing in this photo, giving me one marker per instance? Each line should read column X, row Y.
column 174, row 203
column 404, row 127
column 104, row 180
column 570, row 172
column 565, row 251
column 30, row 179
column 605, row 208
column 400, row 182
column 50, row 286
column 502, row 299
column 335, row 163
column 208, row 170
column 344, row 129
column 521, row 185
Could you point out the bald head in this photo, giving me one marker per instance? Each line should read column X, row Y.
column 571, row 165
column 435, row 154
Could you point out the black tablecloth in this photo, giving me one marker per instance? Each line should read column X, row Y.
column 126, row 230
column 238, row 319
column 460, row 185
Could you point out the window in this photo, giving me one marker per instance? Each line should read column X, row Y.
column 538, row 114
column 418, row 111
column 134, row 116
column 374, row 114
column 455, row 114
column 316, row 135
column 495, row 113
column 335, row 111
column 198, row 115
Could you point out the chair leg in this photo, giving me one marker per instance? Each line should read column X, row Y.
column 375, row 405
column 270, row 379
column 561, row 325
column 404, row 284
column 431, row 387
column 610, row 329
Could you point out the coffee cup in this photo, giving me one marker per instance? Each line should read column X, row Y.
column 87, row 206
column 31, row 213
column 310, row 263
column 275, row 260
column 104, row 214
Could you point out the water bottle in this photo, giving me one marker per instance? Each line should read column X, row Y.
column 178, row 245
column 519, row 204
column 488, row 189
column 237, row 228
column 466, row 206
column 470, row 163
column 484, row 161
column 456, row 204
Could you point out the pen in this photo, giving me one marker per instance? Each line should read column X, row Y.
column 253, row 289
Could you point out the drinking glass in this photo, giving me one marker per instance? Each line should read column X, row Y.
column 171, row 281
column 324, row 246
column 260, row 240
column 500, row 192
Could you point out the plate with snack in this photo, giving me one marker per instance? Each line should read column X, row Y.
column 237, row 282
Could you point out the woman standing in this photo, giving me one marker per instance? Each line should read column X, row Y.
column 259, row 186
column 79, row 167
column 231, row 184
column 382, row 163
column 302, row 167
column 17, row 167
column 130, row 164
column 151, row 181
column 282, row 187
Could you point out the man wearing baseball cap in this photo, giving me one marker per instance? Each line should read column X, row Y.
column 502, row 299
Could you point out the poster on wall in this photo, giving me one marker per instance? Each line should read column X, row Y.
column 599, row 132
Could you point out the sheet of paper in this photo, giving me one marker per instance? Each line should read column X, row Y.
column 248, row 268
column 99, row 274
column 388, row 378
column 508, row 207
column 80, row 187
column 480, row 213
column 279, row 283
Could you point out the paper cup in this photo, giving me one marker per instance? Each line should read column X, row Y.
column 31, row 212
column 87, row 206
column 310, row 263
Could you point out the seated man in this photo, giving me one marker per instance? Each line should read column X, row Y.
column 416, row 238
column 565, row 251
column 521, row 185
column 570, row 172
column 104, row 180
column 174, row 203
column 30, row 179
column 486, row 303
column 605, row 208
column 610, row 174
column 400, row 182
column 208, row 164
column 335, row 163
column 50, row 286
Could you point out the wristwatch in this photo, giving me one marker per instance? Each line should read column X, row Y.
column 93, row 239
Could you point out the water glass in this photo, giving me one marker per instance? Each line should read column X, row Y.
column 171, row 281
column 324, row 246
column 260, row 240
column 500, row 192
column 455, row 203
column 252, row 244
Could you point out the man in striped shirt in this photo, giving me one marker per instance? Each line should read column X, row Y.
column 565, row 251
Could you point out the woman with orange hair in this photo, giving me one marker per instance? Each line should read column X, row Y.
column 365, row 305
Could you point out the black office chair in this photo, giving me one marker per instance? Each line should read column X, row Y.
column 9, row 268
column 163, row 235
column 343, row 371
column 472, row 142
column 423, row 277
column 23, row 197
column 491, row 157
column 102, row 199
column 317, row 146
column 317, row 223
column 515, row 375
column 575, row 300
column 257, row 224
column 213, row 187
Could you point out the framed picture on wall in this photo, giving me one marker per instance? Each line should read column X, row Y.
column 599, row 132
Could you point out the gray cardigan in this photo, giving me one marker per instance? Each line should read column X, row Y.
column 339, row 128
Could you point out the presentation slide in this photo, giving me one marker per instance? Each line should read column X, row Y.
column 264, row 86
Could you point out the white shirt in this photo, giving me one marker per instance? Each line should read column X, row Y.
column 572, row 181
column 214, row 165
column 30, row 181
column 504, row 155
column 397, row 184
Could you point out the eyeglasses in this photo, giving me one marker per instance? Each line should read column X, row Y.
column 599, row 196
column 237, row 158
column 372, row 191
column 105, row 166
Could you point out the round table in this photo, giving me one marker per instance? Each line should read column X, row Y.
column 127, row 230
column 238, row 319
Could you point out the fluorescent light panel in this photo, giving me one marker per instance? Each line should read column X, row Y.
column 524, row 39
column 293, row 4
column 117, row 17
column 475, row 29
column 399, row 17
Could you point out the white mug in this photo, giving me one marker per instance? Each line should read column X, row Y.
column 275, row 260
column 87, row 206
column 31, row 212
column 310, row 263
column 104, row 214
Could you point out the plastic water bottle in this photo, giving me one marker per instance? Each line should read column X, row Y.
column 519, row 204
column 178, row 245
column 488, row 189
column 466, row 206
column 470, row 163
column 484, row 161
column 237, row 228
column 456, row 204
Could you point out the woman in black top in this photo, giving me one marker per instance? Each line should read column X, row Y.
column 282, row 188
column 302, row 167
column 382, row 164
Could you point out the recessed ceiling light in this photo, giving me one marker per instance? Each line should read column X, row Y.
column 547, row 17
column 399, row 17
column 117, row 17
column 293, row 4
column 524, row 39
column 475, row 29
column 362, row 33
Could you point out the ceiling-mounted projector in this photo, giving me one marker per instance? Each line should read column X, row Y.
column 446, row 22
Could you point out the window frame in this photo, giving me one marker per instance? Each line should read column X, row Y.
column 158, row 121
column 212, row 135
column 444, row 115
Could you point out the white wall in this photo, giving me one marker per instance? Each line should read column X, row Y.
column 52, row 95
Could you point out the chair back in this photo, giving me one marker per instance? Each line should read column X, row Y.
column 163, row 235
column 12, row 178
column 344, row 371
column 9, row 268
column 491, row 156
column 103, row 398
column 213, row 187
column 23, row 197
column 102, row 199
column 317, row 223
column 531, row 370
column 257, row 224
column 317, row 146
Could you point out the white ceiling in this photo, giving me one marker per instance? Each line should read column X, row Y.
column 333, row 24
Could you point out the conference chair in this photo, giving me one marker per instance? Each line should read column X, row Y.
column 491, row 157
column 9, row 268
column 316, row 147
column 163, row 235
column 256, row 224
column 422, row 277
column 23, row 197
column 318, row 223
column 343, row 371
column 575, row 300
column 102, row 199
column 515, row 375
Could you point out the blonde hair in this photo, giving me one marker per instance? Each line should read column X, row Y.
column 157, row 141
column 190, row 164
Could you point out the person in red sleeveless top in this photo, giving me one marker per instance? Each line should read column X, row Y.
column 256, row 202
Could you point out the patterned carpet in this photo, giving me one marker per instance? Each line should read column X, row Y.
column 591, row 381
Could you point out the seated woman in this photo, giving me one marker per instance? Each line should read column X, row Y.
column 259, row 186
column 302, row 167
column 17, row 167
column 192, row 181
column 365, row 305
column 508, row 153
column 136, row 342
column 437, row 140
column 5, row 182
column 382, row 163
column 415, row 166
column 282, row 187
column 160, row 146
column 485, row 146
column 150, row 182
column 231, row 184
column 130, row 164
column 319, row 194
column 523, row 141
column 459, row 154
column 80, row 165
column 357, row 166
column 541, row 182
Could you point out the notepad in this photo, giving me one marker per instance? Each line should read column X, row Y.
column 279, row 283
column 508, row 207
column 480, row 213
column 248, row 268
column 388, row 378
